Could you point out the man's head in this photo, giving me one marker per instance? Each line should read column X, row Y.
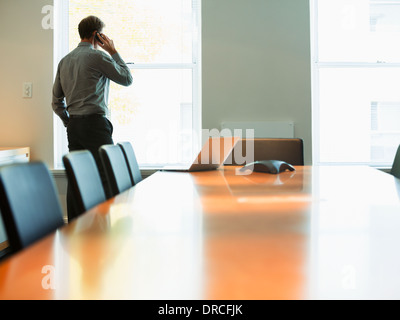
column 89, row 25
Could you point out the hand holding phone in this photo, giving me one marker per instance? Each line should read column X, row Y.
column 99, row 37
column 106, row 43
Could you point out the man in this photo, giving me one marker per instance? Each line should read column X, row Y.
column 80, row 93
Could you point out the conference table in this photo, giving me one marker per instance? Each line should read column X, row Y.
column 319, row 232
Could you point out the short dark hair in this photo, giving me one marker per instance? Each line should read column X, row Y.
column 88, row 25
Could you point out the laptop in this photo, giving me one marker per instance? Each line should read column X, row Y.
column 213, row 154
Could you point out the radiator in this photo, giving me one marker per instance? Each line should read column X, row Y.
column 263, row 129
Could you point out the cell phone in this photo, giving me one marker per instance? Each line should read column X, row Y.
column 98, row 37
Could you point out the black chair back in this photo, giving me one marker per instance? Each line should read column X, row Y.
column 131, row 161
column 288, row 150
column 116, row 169
column 29, row 203
column 84, row 176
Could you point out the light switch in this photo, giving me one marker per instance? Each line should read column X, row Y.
column 27, row 90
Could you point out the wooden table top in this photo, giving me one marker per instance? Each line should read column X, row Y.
column 13, row 150
column 9, row 155
column 316, row 233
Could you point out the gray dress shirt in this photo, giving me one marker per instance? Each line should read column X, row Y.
column 83, row 79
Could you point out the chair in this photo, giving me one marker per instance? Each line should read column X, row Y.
column 131, row 162
column 29, row 203
column 395, row 171
column 289, row 150
column 84, row 176
column 116, row 169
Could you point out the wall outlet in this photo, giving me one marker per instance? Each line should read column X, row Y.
column 27, row 90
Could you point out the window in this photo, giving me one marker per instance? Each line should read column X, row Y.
column 356, row 81
column 160, row 41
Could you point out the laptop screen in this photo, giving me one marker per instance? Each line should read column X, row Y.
column 216, row 150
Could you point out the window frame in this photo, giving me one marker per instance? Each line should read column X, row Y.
column 61, row 48
column 316, row 66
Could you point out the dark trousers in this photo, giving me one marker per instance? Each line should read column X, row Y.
column 88, row 133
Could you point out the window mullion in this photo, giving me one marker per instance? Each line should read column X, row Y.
column 357, row 64
column 161, row 65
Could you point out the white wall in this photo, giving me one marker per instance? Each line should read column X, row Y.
column 256, row 63
column 26, row 52
column 256, row 66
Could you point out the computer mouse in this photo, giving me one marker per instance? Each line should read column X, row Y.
column 268, row 166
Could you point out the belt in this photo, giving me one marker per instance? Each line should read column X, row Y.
column 82, row 116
